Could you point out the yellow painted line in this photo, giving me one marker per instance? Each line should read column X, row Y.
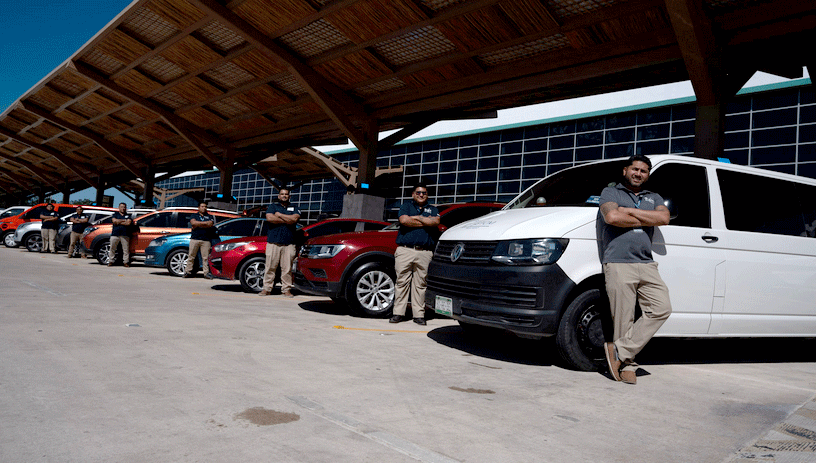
column 338, row 327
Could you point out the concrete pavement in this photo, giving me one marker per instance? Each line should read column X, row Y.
column 133, row 365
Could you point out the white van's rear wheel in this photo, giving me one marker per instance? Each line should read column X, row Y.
column 580, row 336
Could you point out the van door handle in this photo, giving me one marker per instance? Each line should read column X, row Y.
column 710, row 238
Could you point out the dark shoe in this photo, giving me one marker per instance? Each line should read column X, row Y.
column 186, row 275
column 126, row 265
column 397, row 319
column 84, row 256
column 110, row 264
column 628, row 376
column 287, row 294
column 264, row 293
column 208, row 276
column 612, row 360
column 420, row 321
column 70, row 257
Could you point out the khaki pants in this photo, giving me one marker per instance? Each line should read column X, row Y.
column 283, row 255
column 49, row 237
column 114, row 243
column 626, row 285
column 192, row 252
column 411, row 267
column 75, row 237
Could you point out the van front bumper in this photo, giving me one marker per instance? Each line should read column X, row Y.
column 526, row 300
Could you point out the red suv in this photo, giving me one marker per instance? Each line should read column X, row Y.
column 9, row 224
column 244, row 259
column 358, row 268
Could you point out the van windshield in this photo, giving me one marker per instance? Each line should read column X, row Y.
column 581, row 186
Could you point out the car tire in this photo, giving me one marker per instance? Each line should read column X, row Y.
column 251, row 274
column 176, row 261
column 8, row 239
column 101, row 253
column 33, row 242
column 371, row 290
column 580, row 335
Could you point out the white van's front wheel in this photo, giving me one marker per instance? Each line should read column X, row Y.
column 580, row 335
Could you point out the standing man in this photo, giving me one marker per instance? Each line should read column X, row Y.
column 629, row 215
column 280, row 243
column 50, row 224
column 203, row 225
column 122, row 220
column 79, row 222
column 415, row 244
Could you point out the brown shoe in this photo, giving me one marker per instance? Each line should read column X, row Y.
column 612, row 360
column 110, row 264
column 287, row 294
column 628, row 376
column 264, row 293
column 126, row 265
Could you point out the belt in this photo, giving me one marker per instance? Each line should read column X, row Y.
column 420, row 248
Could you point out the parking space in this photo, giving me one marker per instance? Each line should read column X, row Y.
column 116, row 364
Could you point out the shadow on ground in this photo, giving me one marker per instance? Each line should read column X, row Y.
column 497, row 345
column 664, row 351
column 503, row 346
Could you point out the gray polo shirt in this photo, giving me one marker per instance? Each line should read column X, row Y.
column 628, row 245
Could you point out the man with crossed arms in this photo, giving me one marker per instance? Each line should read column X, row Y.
column 628, row 215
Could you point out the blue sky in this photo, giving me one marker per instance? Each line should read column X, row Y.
column 36, row 36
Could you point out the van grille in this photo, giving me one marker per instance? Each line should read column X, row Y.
column 475, row 252
column 516, row 296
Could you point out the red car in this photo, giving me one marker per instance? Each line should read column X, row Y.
column 244, row 259
column 358, row 268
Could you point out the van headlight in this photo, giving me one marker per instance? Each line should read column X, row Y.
column 530, row 252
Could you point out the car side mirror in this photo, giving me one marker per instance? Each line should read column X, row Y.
column 669, row 203
column 442, row 228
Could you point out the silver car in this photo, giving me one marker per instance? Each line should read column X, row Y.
column 30, row 234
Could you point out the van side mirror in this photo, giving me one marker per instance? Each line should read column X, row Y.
column 669, row 203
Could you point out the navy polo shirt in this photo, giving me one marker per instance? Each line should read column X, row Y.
column 51, row 224
column 121, row 230
column 203, row 233
column 79, row 227
column 281, row 233
column 417, row 236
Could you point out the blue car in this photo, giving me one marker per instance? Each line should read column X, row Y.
column 171, row 251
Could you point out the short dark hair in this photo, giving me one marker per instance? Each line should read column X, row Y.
column 284, row 188
column 419, row 185
column 202, row 202
column 123, row 203
column 638, row 157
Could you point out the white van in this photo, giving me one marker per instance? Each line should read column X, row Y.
column 739, row 257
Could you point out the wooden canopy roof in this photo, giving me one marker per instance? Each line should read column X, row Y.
column 178, row 85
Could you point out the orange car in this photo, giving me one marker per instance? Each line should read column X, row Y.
column 32, row 214
column 96, row 239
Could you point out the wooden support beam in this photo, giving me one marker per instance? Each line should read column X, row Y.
column 185, row 128
column 698, row 44
column 34, row 169
column 19, row 182
column 368, row 153
column 65, row 160
column 344, row 110
column 105, row 145
column 404, row 133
